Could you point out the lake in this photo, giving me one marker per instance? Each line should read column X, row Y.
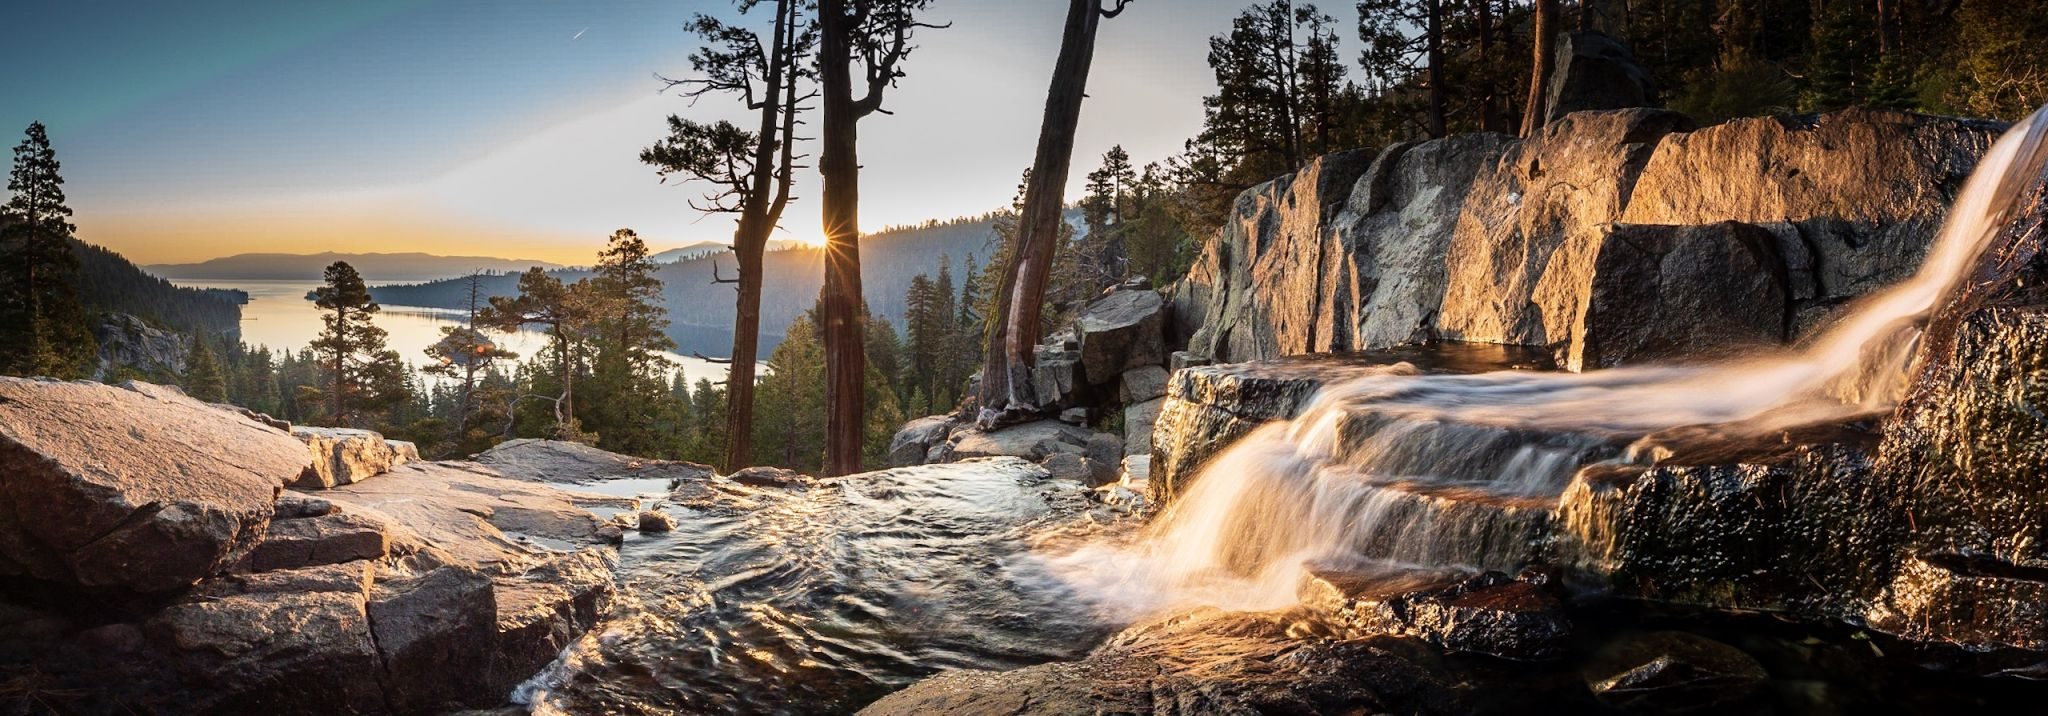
column 279, row 316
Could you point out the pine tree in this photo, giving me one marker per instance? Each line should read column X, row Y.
column 566, row 311
column 360, row 373
column 464, row 351
column 43, row 329
column 203, row 378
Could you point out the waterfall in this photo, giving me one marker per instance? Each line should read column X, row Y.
column 1463, row 471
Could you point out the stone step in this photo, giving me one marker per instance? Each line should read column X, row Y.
column 1487, row 613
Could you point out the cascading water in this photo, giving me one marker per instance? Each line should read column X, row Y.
column 1462, row 471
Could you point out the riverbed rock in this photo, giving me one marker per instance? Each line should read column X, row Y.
column 1203, row 662
column 916, row 439
column 655, row 522
column 344, row 455
column 1032, row 441
column 1593, row 70
column 1069, row 466
column 1121, row 331
column 137, row 487
column 564, row 462
column 1672, row 672
column 772, row 477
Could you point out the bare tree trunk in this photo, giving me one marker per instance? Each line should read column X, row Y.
column 1535, row 113
column 1887, row 27
column 1006, row 390
column 772, row 158
column 839, row 304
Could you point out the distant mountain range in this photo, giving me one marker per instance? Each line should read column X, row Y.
column 706, row 248
column 308, row 267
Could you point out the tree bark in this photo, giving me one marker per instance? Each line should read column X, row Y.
column 840, row 301
column 1006, row 390
column 758, row 219
column 1535, row 114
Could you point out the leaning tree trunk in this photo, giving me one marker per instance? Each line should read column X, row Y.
column 750, row 242
column 839, row 303
column 1006, row 391
column 1534, row 116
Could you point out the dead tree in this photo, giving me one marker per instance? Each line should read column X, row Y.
column 1006, row 392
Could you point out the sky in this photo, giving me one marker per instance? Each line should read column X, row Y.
column 192, row 129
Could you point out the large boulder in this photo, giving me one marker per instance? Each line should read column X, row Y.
column 1032, row 441
column 1675, row 292
column 345, row 455
column 1853, row 197
column 1388, row 277
column 1120, row 332
column 1247, row 296
column 915, row 440
column 1530, row 226
column 1593, row 70
column 136, row 487
column 1489, row 613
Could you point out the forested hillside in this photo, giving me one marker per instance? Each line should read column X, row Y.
column 700, row 310
column 108, row 283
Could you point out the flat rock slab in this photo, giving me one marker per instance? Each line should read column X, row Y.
column 135, row 487
column 1031, row 441
column 567, row 462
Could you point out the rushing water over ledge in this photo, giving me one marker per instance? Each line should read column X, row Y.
column 1459, row 471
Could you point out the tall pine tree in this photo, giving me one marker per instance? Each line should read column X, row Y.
column 42, row 323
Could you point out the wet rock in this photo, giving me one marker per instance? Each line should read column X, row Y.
column 1031, row 441
column 1068, row 466
column 129, row 342
column 1490, row 613
column 344, row 455
column 89, row 494
column 1672, row 672
column 775, row 477
column 1121, row 331
column 916, row 439
column 1139, row 423
column 1140, row 384
column 1596, row 71
column 1209, row 407
column 1200, row 663
column 656, row 522
column 1673, row 292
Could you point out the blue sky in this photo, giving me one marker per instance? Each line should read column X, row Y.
column 196, row 128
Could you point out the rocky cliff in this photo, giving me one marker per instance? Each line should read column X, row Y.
column 163, row 555
column 1924, row 522
column 1585, row 239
